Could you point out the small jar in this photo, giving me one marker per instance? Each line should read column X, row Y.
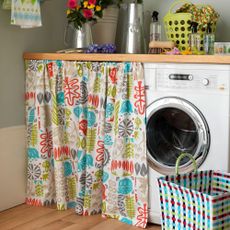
column 219, row 48
column 227, row 48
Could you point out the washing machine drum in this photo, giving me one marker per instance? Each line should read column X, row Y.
column 175, row 126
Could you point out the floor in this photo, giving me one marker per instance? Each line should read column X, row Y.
column 25, row 217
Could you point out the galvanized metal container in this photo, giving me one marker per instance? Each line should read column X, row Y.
column 131, row 34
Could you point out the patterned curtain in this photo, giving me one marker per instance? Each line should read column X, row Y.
column 86, row 138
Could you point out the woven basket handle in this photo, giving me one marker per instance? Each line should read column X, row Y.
column 175, row 4
column 183, row 155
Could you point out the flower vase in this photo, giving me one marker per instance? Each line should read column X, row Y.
column 104, row 31
column 80, row 38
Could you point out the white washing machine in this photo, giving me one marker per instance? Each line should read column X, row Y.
column 188, row 108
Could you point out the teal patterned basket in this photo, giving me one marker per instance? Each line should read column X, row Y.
column 195, row 201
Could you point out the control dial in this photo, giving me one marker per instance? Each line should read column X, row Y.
column 205, row 82
column 190, row 77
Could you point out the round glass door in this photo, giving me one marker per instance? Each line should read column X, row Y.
column 175, row 126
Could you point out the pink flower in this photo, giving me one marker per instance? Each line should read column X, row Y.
column 72, row 4
column 87, row 13
column 92, row 2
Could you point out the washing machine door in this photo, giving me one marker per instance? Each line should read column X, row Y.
column 174, row 126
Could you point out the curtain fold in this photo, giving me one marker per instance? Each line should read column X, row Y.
column 86, row 138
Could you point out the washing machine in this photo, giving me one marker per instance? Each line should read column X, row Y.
column 188, row 108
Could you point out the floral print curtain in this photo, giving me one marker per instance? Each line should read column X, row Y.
column 86, row 138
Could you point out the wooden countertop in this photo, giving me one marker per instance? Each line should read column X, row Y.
column 155, row 58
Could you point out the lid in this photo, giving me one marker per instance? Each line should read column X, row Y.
column 155, row 16
column 194, row 26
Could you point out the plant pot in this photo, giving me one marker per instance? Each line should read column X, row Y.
column 104, row 31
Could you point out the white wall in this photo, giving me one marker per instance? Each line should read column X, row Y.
column 221, row 6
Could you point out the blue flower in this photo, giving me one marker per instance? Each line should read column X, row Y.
column 79, row 154
column 60, row 98
column 67, row 168
column 77, row 111
column 105, row 177
column 91, row 119
column 31, row 115
column 108, row 140
column 71, row 204
column 127, row 67
column 89, row 160
column 126, row 107
column 125, row 186
column 59, row 63
column 32, row 153
column 85, row 111
column 126, row 220
column 85, row 161
column 52, row 162
column 85, row 78
column 109, row 110
column 81, row 164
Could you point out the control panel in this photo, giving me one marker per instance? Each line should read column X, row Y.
column 191, row 80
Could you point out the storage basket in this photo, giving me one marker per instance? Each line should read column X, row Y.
column 178, row 27
column 197, row 200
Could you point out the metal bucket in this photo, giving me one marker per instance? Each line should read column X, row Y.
column 104, row 31
column 130, row 36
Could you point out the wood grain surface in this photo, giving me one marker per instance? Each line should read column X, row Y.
column 25, row 217
column 155, row 58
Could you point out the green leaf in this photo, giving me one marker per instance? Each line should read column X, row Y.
column 34, row 135
column 67, row 117
column 61, row 207
column 39, row 190
column 45, row 176
column 130, row 206
column 79, row 69
column 129, row 86
column 72, row 188
column 103, row 208
column 96, row 186
column 97, row 85
column 54, row 110
column 114, row 91
column 66, row 138
column 40, row 68
column 129, row 151
column 87, row 201
column 99, row 175
column 116, row 117
column 91, row 140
